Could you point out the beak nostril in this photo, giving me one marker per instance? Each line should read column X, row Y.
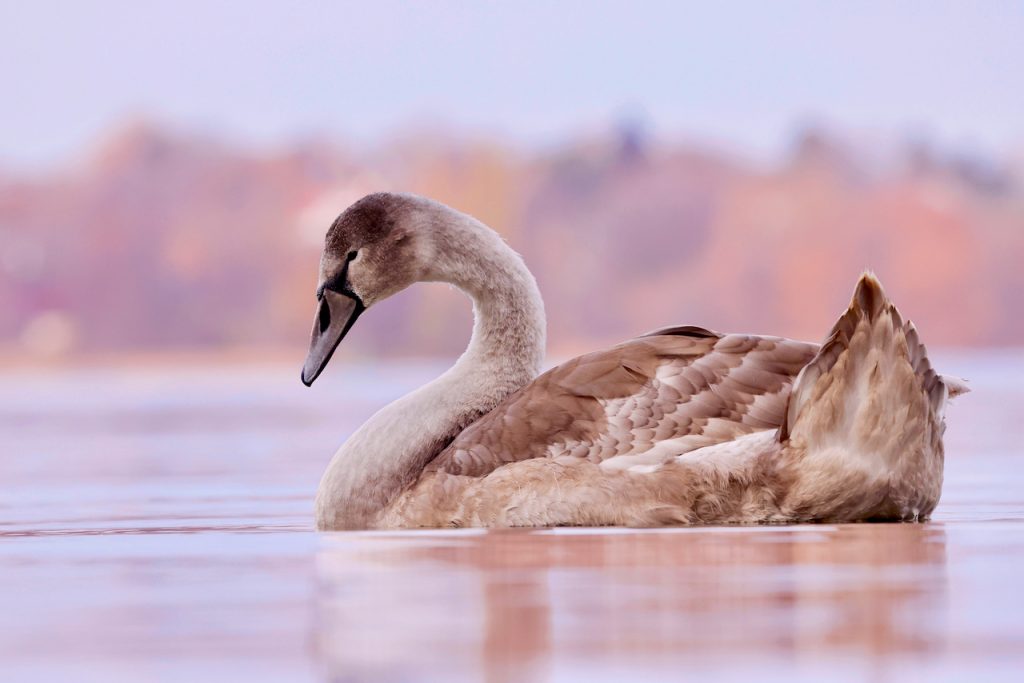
column 324, row 317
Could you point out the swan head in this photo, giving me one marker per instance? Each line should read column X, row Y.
column 373, row 250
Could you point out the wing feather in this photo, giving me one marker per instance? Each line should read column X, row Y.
column 684, row 385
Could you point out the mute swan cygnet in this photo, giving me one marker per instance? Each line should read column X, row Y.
column 679, row 426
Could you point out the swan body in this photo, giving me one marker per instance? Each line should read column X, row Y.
column 679, row 426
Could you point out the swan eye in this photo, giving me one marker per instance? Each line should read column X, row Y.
column 352, row 255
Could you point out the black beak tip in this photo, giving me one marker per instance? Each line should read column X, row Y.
column 308, row 376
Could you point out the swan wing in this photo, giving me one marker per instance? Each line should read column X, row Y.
column 660, row 395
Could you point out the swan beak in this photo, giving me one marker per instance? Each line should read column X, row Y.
column 334, row 317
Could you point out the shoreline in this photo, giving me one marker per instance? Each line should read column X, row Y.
column 15, row 362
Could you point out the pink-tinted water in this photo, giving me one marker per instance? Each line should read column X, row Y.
column 155, row 526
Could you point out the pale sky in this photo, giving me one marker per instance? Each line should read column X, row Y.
column 734, row 73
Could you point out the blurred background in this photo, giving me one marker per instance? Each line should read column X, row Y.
column 168, row 169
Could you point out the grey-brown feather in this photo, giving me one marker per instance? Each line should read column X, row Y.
column 862, row 438
column 626, row 399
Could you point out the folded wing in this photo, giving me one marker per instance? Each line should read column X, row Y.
column 653, row 397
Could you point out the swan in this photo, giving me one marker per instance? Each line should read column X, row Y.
column 679, row 426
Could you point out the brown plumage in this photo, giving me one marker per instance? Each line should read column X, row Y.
column 692, row 388
column 679, row 426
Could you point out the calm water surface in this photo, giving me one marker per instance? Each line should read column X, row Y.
column 156, row 526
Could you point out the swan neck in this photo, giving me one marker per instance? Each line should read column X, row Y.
column 387, row 454
column 508, row 312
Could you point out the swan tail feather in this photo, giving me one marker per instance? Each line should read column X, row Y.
column 870, row 405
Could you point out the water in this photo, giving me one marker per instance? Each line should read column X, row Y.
column 156, row 526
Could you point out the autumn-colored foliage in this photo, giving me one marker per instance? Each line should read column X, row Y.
column 161, row 241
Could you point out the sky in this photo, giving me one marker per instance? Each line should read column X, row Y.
column 738, row 74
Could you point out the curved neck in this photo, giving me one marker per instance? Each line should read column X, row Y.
column 508, row 313
column 386, row 455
